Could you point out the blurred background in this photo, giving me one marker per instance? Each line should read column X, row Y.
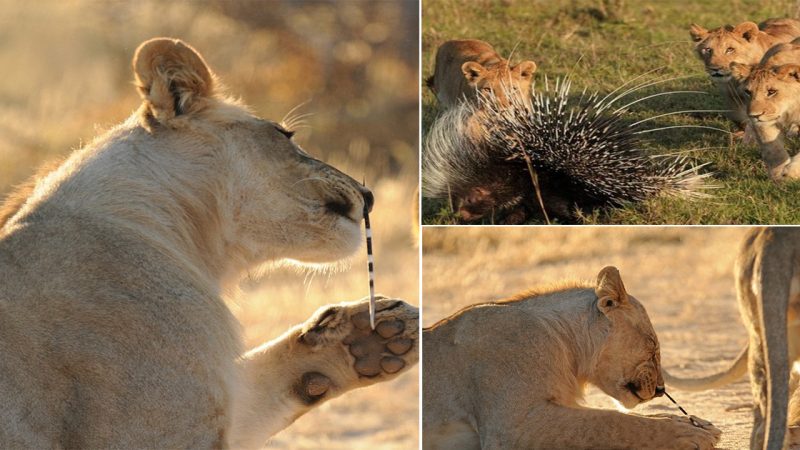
column 682, row 275
column 351, row 65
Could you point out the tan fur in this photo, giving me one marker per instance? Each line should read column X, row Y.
column 113, row 332
column 768, row 291
column 511, row 374
column 745, row 43
column 465, row 67
column 771, row 91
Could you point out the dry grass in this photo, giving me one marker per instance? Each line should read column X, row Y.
column 683, row 276
column 67, row 76
column 602, row 44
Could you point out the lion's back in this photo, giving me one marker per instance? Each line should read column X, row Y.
column 80, row 305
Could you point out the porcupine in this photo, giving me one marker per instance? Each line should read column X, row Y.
column 583, row 154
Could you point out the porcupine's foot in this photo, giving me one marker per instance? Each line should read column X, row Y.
column 517, row 216
column 355, row 355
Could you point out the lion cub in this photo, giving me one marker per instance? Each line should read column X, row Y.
column 464, row 68
column 770, row 90
column 745, row 43
column 467, row 66
column 509, row 374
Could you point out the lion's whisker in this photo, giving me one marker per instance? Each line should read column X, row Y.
column 622, row 108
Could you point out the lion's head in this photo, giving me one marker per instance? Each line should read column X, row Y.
column 720, row 47
column 499, row 78
column 628, row 365
column 202, row 177
column 771, row 91
column 279, row 201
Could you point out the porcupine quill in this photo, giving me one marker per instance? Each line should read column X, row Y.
column 586, row 151
column 371, row 266
column 587, row 143
column 691, row 419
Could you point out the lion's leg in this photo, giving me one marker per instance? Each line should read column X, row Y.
column 758, row 387
column 794, row 381
column 770, row 139
column 333, row 352
column 561, row 427
column 751, row 317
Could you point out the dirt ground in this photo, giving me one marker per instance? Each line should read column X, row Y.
column 683, row 276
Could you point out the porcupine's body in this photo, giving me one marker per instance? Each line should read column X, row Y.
column 460, row 166
column 582, row 153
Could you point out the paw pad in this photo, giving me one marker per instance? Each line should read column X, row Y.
column 312, row 387
column 378, row 350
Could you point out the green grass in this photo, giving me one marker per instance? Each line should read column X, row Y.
column 604, row 43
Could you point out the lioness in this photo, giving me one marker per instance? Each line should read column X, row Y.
column 465, row 67
column 768, row 290
column 113, row 332
column 510, row 374
column 745, row 43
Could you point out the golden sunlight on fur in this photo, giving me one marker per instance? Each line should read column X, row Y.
column 115, row 264
column 684, row 277
column 351, row 98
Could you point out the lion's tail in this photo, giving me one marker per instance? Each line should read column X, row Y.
column 733, row 373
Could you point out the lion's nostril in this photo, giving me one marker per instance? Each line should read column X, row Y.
column 369, row 199
column 341, row 207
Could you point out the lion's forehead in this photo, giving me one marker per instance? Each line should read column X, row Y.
column 639, row 323
column 722, row 41
column 760, row 78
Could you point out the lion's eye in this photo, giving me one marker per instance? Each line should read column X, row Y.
column 486, row 89
column 729, row 50
column 748, row 93
column 771, row 92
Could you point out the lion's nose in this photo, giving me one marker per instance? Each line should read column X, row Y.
column 660, row 390
column 369, row 199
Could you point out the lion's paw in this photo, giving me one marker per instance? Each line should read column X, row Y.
column 350, row 354
column 792, row 170
column 793, row 437
column 694, row 433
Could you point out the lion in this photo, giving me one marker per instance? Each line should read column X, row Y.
column 771, row 92
column 768, row 292
column 466, row 67
column 113, row 328
column 464, row 70
column 745, row 43
column 510, row 374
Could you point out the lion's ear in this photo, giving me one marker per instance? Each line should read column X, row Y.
column 697, row 32
column 788, row 71
column 525, row 69
column 609, row 290
column 172, row 78
column 747, row 30
column 472, row 71
column 740, row 71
